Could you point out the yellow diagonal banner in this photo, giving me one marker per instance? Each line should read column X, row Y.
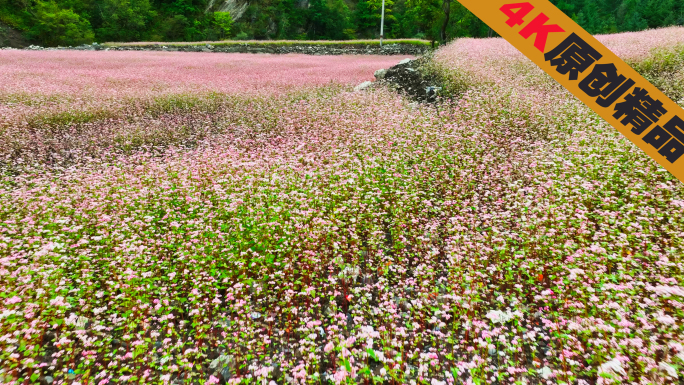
column 593, row 73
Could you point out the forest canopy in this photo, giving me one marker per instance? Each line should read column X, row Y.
column 73, row 22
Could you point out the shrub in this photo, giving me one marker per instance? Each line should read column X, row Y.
column 242, row 36
column 222, row 23
column 56, row 26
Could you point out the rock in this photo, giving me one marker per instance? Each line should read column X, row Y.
column 81, row 323
column 380, row 74
column 224, row 360
column 10, row 37
column 407, row 78
column 224, row 364
column 431, row 91
column 363, row 86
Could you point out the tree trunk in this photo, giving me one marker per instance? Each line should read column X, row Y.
column 446, row 7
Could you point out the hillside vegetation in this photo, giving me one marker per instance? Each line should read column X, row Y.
column 72, row 22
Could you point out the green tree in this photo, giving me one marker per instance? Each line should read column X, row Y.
column 289, row 19
column 567, row 7
column 341, row 25
column 56, row 26
column 327, row 19
column 123, row 20
column 222, row 23
column 368, row 15
column 631, row 12
column 174, row 27
column 635, row 22
column 463, row 23
column 426, row 15
column 50, row 22
column 656, row 12
column 590, row 18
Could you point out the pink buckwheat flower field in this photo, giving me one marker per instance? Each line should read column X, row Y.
column 190, row 218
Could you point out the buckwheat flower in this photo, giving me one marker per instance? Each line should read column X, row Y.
column 58, row 301
column 612, row 366
column 668, row 369
column 666, row 319
column 340, row 375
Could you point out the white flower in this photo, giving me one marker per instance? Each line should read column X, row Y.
column 669, row 369
column 612, row 366
column 545, row 372
column 497, row 316
column 666, row 320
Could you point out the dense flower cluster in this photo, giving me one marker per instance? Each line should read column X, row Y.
column 57, row 102
column 509, row 236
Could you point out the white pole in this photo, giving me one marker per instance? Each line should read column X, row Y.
column 382, row 21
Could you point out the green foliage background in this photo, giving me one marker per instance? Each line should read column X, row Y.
column 72, row 22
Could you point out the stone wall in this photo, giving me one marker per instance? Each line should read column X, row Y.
column 322, row 49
